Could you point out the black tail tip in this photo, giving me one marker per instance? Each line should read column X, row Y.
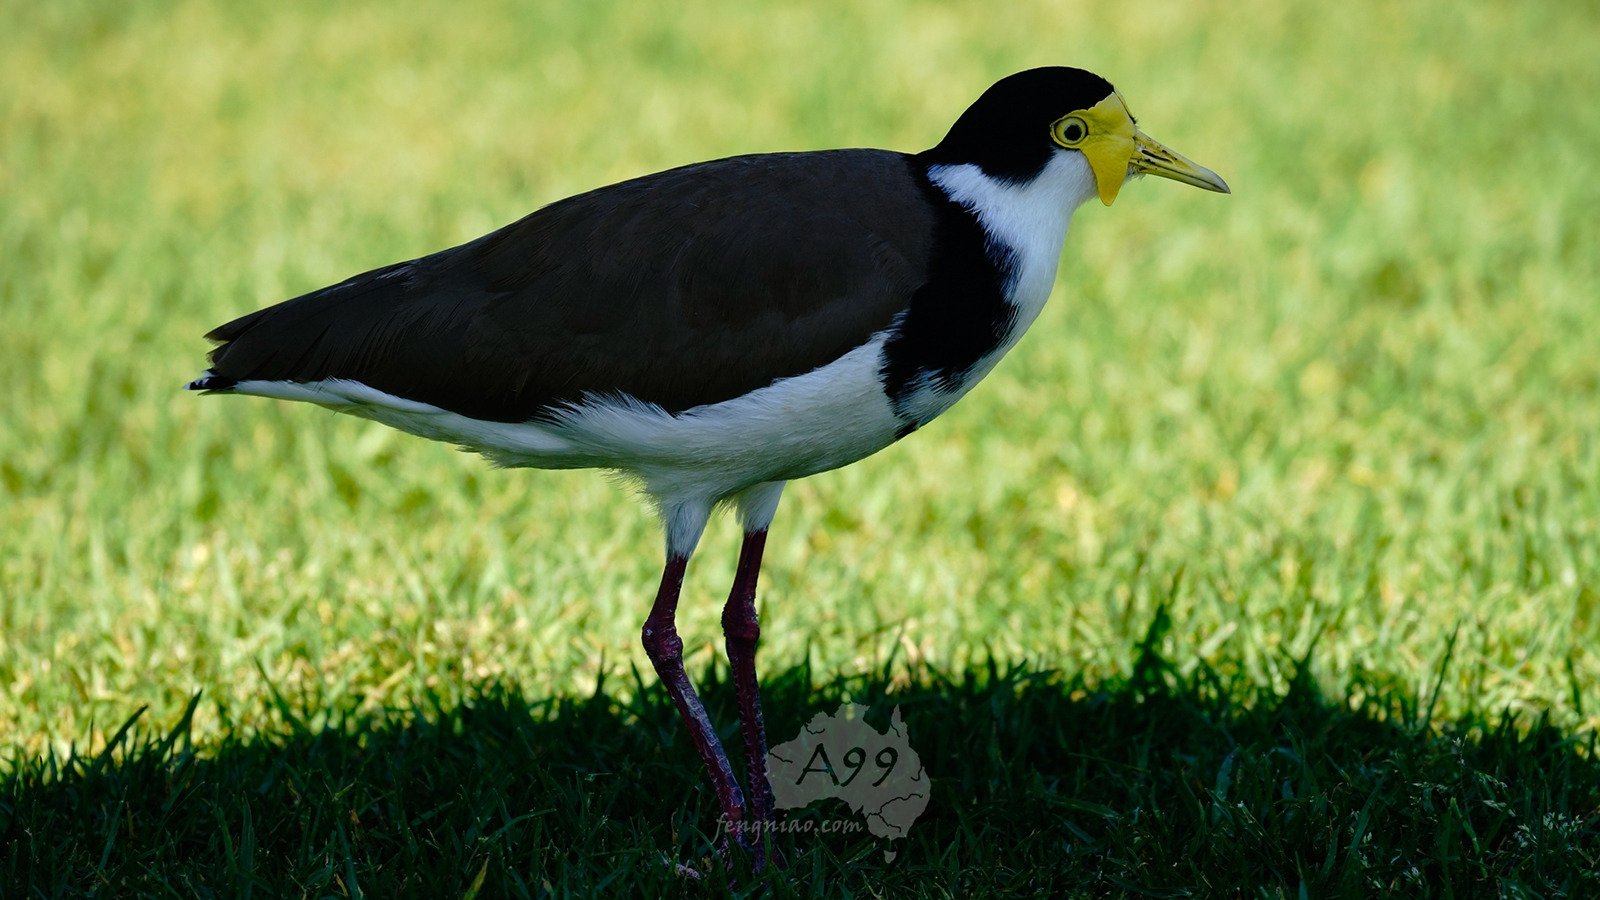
column 211, row 382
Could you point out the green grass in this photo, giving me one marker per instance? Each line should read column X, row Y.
column 1331, row 442
column 1158, row 786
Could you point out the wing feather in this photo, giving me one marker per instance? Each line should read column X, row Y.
column 687, row 287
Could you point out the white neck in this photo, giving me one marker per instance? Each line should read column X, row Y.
column 1030, row 219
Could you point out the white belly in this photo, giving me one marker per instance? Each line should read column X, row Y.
column 798, row 426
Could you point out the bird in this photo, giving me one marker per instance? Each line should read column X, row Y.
column 714, row 331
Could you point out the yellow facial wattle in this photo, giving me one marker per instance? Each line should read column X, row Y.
column 1115, row 148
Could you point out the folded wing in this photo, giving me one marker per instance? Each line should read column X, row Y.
column 683, row 288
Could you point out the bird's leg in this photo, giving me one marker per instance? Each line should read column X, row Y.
column 665, row 649
column 743, row 629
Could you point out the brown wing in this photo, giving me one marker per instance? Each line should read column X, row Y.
column 686, row 287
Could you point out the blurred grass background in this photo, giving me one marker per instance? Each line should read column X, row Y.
column 1351, row 406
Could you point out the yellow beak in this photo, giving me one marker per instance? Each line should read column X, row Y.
column 1116, row 149
column 1151, row 157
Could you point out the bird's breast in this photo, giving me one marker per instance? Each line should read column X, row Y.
column 996, row 249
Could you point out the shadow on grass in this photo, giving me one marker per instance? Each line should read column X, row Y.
column 1163, row 785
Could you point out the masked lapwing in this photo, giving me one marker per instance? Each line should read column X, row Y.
column 717, row 330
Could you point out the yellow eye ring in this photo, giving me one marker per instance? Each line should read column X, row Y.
column 1069, row 131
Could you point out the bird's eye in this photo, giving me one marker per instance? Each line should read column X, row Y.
column 1070, row 131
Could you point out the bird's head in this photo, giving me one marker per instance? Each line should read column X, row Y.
column 1015, row 128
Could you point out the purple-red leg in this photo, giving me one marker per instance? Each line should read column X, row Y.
column 665, row 649
column 742, row 629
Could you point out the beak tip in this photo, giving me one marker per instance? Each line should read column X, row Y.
column 1210, row 181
